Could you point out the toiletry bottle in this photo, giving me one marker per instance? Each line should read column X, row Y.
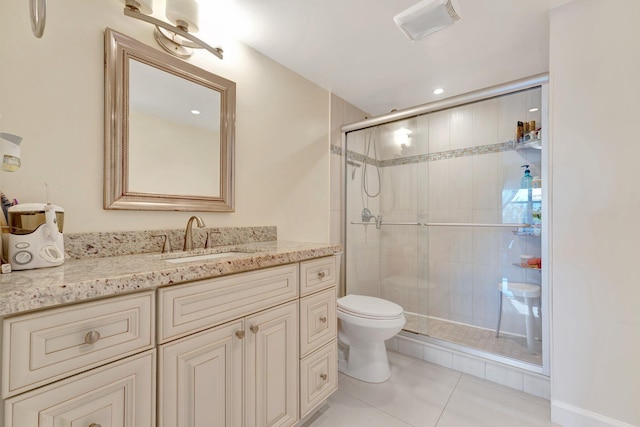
column 519, row 131
column 526, row 180
column 525, row 183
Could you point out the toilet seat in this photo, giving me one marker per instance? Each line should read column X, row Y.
column 370, row 307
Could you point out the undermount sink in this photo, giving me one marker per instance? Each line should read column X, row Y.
column 204, row 257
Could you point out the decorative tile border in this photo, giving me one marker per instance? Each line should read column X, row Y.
column 422, row 158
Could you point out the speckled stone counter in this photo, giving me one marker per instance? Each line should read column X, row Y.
column 86, row 278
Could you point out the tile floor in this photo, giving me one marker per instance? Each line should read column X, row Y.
column 506, row 345
column 421, row 394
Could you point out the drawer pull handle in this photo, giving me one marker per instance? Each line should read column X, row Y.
column 240, row 334
column 323, row 319
column 92, row 338
column 321, row 274
column 323, row 377
column 254, row 328
column 95, row 425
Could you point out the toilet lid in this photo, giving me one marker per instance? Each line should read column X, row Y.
column 369, row 307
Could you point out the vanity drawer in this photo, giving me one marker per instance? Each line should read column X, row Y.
column 317, row 274
column 192, row 307
column 119, row 394
column 44, row 346
column 318, row 320
column 318, row 377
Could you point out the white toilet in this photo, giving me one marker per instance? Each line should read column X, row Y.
column 365, row 323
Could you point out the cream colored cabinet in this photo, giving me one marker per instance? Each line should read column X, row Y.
column 272, row 367
column 192, row 307
column 121, row 394
column 88, row 364
column 240, row 373
column 318, row 333
column 48, row 345
column 201, row 379
column 252, row 349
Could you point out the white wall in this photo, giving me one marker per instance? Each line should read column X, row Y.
column 51, row 93
column 595, row 86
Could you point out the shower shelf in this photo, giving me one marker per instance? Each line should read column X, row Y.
column 536, row 144
column 515, row 264
column 526, row 233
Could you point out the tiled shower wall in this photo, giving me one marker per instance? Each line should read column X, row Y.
column 342, row 113
column 454, row 166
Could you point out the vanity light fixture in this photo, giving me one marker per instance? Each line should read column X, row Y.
column 533, row 110
column 438, row 91
column 177, row 40
column 195, row 112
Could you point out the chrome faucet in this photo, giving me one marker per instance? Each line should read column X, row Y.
column 188, row 234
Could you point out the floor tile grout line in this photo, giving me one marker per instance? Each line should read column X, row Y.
column 378, row 409
column 448, row 400
column 501, row 388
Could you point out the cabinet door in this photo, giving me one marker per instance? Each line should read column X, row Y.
column 121, row 394
column 272, row 367
column 201, row 379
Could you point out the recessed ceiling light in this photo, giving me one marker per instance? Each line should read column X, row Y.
column 196, row 112
column 533, row 110
column 438, row 91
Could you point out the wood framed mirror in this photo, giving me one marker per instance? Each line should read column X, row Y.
column 169, row 131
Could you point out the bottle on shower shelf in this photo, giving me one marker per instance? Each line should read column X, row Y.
column 525, row 183
column 527, row 179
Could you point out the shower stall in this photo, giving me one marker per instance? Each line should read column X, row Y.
column 446, row 209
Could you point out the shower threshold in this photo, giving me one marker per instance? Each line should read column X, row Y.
column 508, row 349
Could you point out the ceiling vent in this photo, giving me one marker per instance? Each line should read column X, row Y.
column 427, row 17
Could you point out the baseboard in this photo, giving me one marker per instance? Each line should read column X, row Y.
column 570, row 416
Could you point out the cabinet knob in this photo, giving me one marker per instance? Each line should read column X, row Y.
column 323, row 319
column 240, row 334
column 95, row 425
column 323, row 377
column 92, row 337
column 321, row 274
column 254, row 328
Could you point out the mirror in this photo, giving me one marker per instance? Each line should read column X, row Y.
column 169, row 131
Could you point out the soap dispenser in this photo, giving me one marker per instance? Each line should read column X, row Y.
column 525, row 183
column 526, row 180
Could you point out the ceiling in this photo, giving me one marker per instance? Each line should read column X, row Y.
column 353, row 48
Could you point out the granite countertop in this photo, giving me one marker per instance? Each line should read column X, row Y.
column 82, row 279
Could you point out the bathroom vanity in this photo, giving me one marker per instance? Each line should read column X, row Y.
column 247, row 338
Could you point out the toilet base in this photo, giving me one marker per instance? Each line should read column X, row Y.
column 366, row 362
